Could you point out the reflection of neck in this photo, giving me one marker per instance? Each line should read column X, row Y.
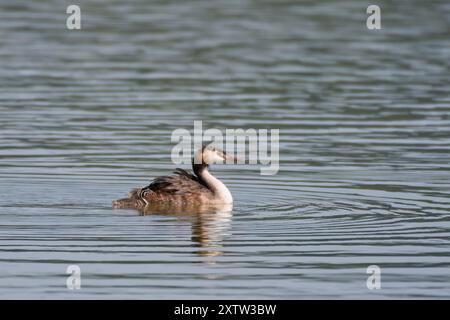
column 209, row 229
column 219, row 190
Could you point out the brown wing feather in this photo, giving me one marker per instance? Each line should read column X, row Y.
column 183, row 182
column 181, row 187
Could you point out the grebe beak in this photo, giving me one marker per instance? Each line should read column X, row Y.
column 229, row 157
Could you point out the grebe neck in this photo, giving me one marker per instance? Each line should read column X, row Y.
column 217, row 187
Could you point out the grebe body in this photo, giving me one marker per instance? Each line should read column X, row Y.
column 184, row 187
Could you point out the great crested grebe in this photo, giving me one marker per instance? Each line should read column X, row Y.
column 184, row 187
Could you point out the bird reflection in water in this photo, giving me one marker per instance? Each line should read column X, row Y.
column 210, row 223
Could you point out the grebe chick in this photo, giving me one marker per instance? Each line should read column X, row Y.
column 184, row 187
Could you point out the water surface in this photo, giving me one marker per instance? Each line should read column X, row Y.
column 364, row 119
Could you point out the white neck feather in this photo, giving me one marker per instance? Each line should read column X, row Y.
column 221, row 192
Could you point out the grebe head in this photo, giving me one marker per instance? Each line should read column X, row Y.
column 209, row 154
